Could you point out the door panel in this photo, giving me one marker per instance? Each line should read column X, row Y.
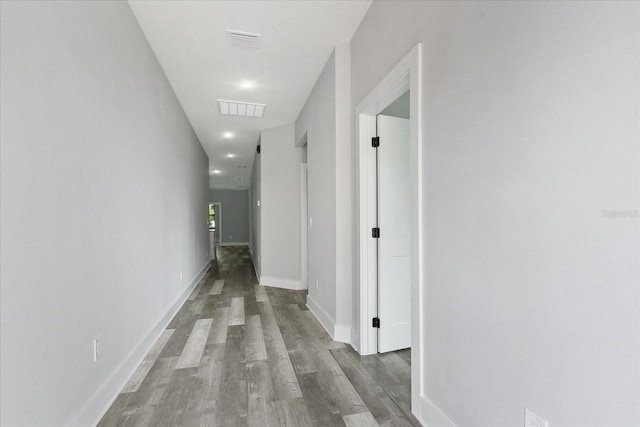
column 394, row 249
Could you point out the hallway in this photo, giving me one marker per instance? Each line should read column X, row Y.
column 241, row 354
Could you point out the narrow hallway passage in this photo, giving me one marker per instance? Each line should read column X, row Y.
column 239, row 354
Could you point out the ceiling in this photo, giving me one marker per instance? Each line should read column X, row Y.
column 190, row 40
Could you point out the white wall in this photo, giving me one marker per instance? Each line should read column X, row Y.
column 280, row 208
column 345, row 201
column 530, row 122
column 235, row 215
column 103, row 202
column 326, row 118
column 317, row 119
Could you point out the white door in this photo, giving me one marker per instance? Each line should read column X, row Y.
column 394, row 249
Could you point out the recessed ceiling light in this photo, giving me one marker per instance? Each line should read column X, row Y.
column 243, row 109
column 247, row 84
column 216, row 171
column 230, row 156
column 228, row 135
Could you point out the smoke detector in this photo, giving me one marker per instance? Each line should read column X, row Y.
column 243, row 39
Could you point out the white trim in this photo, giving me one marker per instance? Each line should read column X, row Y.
column 323, row 317
column 407, row 74
column 103, row 398
column 304, row 206
column 278, row 282
column 234, row 244
column 342, row 333
column 431, row 415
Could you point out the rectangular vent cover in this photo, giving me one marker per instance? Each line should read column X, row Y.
column 242, row 109
column 243, row 39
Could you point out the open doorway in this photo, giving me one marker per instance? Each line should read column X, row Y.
column 215, row 226
column 392, row 206
column 393, row 218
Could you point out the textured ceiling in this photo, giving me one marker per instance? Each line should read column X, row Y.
column 189, row 39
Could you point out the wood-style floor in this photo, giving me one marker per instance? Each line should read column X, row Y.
column 240, row 354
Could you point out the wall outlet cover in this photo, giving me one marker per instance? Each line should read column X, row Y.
column 97, row 349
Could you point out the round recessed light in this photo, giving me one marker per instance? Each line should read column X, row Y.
column 247, row 84
column 228, row 135
column 216, row 171
column 230, row 156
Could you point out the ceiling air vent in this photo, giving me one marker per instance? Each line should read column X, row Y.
column 243, row 39
column 242, row 109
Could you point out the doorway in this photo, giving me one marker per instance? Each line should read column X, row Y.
column 393, row 215
column 215, row 221
column 405, row 76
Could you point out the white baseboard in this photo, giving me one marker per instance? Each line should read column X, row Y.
column 278, row 282
column 92, row 412
column 256, row 267
column 234, row 244
column 430, row 415
column 342, row 333
column 323, row 317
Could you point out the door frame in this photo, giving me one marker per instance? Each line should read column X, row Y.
column 304, row 207
column 406, row 75
column 218, row 214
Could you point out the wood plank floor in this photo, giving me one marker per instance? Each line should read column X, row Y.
column 240, row 354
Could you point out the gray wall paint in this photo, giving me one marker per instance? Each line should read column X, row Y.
column 326, row 120
column 530, row 113
column 317, row 118
column 280, row 204
column 103, row 202
column 235, row 214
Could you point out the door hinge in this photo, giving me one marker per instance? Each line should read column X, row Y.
column 375, row 141
column 375, row 233
column 376, row 322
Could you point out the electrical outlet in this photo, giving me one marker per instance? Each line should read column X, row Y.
column 97, row 349
column 316, row 284
column 310, row 221
column 258, row 203
column 531, row 419
column 181, row 274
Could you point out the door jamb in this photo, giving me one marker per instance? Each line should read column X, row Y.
column 406, row 75
column 304, row 197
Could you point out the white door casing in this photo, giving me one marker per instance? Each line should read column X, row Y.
column 406, row 75
column 394, row 246
column 304, row 208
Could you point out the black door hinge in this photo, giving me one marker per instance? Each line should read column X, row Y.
column 376, row 322
column 375, row 233
column 375, row 141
